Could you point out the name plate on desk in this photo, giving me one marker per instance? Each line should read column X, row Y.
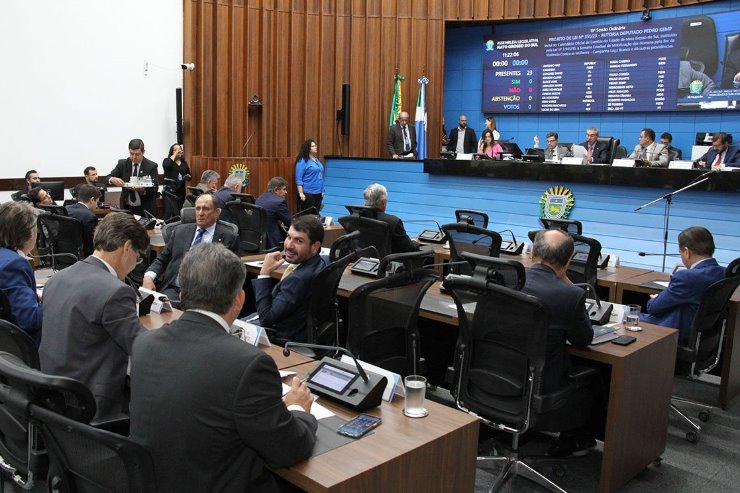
column 571, row 160
column 250, row 333
column 624, row 163
column 681, row 164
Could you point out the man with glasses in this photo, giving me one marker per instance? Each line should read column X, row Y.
column 596, row 152
column 39, row 197
column 553, row 151
column 90, row 317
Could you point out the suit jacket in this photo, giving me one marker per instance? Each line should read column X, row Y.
column 277, row 211
column 656, row 153
column 470, row 144
column 395, row 140
column 731, row 157
column 167, row 265
column 90, row 321
column 123, row 170
column 674, row 153
column 209, row 409
column 283, row 306
column 677, row 304
column 400, row 241
column 600, row 155
column 19, row 285
column 76, row 189
column 223, row 196
column 569, row 321
column 550, row 153
column 89, row 222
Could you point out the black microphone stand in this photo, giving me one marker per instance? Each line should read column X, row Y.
column 667, row 208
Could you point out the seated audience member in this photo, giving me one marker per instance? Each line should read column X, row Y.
column 721, row 155
column 401, row 140
column 283, row 306
column 596, row 152
column 376, row 196
column 676, row 306
column 488, row 146
column 17, row 238
column 569, row 322
column 38, row 196
column 553, row 151
column 91, row 178
column 32, row 176
column 90, row 316
column 462, row 138
column 208, row 184
column 273, row 201
column 207, row 406
column 653, row 153
column 233, row 184
column 674, row 153
column 138, row 199
column 205, row 229
column 87, row 197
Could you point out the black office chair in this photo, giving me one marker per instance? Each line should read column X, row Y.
column 733, row 268
column 372, row 233
column 702, row 353
column 382, row 328
column 55, row 209
column 171, row 205
column 5, row 313
column 251, row 221
column 567, row 225
column 344, row 245
column 60, row 240
column 362, row 210
column 620, row 152
column 399, row 262
column 469, row 216
column 584, row 263
column 187, row 216
column 499, row 365
column 504, row 272
column 468, row 238
column 16, row 342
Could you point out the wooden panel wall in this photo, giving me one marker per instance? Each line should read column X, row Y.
column 296, row 54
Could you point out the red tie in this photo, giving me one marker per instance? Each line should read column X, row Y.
column 718, row 162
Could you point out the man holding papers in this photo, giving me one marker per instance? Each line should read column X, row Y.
column 207, row 405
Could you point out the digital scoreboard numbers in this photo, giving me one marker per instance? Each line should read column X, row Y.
column 616, row 68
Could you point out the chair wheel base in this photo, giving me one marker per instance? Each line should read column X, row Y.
column 692, row 436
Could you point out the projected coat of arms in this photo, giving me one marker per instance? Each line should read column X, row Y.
column 556, row 203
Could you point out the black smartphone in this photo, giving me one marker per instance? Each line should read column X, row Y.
column 624, row 340
column 359, row 425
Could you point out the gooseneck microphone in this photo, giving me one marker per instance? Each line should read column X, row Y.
column 645, row 254
column 286, row 353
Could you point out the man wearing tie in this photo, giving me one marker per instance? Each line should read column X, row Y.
column 721, row 154
column 596, row 152
column 135, row 199
column 653, row 153
column 553, row 151
column 183, row 237
column 402, row 138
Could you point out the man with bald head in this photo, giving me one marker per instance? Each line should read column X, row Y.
column 462, row 138
column 547, row 280
column 402, row 138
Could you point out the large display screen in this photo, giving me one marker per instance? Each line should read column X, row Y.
column 659, row 65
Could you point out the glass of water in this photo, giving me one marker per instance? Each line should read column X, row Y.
column 632, row 318
column 416, row 387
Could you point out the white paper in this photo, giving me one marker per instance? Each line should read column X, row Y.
column 317, row 410
column 391, row 387
column 255, row 263
column 250, row 333
column 662, row 283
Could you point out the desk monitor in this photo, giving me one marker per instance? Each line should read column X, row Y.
column 511, row 148
column 55, row 188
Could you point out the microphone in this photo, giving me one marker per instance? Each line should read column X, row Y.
column 430, row 235
column 513, row 247
column 645, row 254
column 363, row 375
column 307, row 211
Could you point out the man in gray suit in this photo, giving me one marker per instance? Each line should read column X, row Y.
column 205, row 230
column 207, row 405
column 554, row 151
column 90, row 317
column 653, row 153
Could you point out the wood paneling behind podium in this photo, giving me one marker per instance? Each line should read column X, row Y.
column 296, row 55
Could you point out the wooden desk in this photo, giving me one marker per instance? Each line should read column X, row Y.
column 729, row 386
column 156, row 241
column 432, row 454
column 331, row 234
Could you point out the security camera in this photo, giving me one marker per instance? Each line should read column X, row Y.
column 187, row 66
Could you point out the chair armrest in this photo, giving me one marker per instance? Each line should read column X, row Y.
column 582, row 376
column 117, row 423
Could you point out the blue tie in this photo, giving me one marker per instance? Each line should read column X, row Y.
column 198, row 236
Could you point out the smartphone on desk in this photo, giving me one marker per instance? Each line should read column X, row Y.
column 624, row 340
column 359, row 425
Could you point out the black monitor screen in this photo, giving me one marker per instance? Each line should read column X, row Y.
column 55, row 188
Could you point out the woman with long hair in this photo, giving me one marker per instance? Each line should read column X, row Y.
column 309, row 178
column 488, row 146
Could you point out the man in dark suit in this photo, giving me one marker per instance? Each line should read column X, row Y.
column 87, row 196
column 596, row 152
column 90, row 317
column 674, row 153
column 273, row 202
column 402, row 138
column 207, row 406
column 376, row 196
column 721, row 155
column 136, row 199
column 283, row 306
column 205, row 230
column 676, row 306
column 233, row 184
column 462, row 138
column 569, row 322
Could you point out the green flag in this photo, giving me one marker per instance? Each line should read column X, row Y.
column 397, row 103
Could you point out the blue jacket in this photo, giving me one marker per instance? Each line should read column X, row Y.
column 18, row 283
column 676, row 306
column 310, row 175
column 731, row 157
column 277, row 210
